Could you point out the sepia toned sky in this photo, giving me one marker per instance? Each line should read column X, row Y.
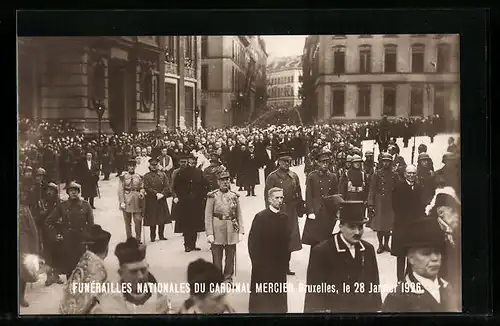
column 284, row 45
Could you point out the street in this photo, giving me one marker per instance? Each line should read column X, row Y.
column 168, row 261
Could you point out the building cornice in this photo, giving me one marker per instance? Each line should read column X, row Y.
column 429, row 78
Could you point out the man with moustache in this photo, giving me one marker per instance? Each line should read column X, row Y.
column 268, row 247
column 407, row 205
column 134, row 270
column 293, row 204
column 344, row 260
column 320, row 184
column 422, row 290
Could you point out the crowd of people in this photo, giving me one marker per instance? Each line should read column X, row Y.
column 196, row 169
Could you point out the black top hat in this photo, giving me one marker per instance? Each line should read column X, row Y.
column 153, row 160
column 97, row 239
column 204, row 272
column 130, row 251
column 353, row 212
column 424, row 232
column 446, row 200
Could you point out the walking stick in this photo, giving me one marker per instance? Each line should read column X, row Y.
column 413, row 149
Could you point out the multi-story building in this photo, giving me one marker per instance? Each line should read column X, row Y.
column 367, row 76
column 233, row 69
column 130, row 76
column 284, row 79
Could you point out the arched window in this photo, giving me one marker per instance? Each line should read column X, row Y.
column 417, row 58
column 365, row 55
column 339, row 59
column 390, row 58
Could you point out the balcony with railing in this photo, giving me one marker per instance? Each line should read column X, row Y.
column 189, row 68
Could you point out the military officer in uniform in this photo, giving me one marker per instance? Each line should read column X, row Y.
column 344, row 260
column 89, row 269
column 369, row 165
column 131, row 199
column 352, row 185
column 380, row 201
column 156, row 213
column 224, row 225
column 320, row 184
column 293, row 204
column 66, row 226
column 211, row 172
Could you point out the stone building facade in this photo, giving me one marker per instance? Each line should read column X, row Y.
column 233, row 69
column 362, row 77
column 284, row 79
column 68, row 77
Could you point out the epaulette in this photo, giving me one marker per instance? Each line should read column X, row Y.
column 211, row 194
column 237, row 194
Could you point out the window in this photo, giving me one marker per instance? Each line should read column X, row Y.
column 389, row 101
column 189, row 105
column 339, row 60
column 417, row 101
column 441, row 100
column 390, row 58
column 204, row 46
column 204, row 77
column 338, row 102
column 417, row 58
column 365, row 53
column 364, row 94
column 188, row 50
column 171, row 51
column 233, row 80
column 170, row 100
column 147, row 89
column 443, row 58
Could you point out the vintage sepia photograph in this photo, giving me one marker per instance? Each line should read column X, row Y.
column 234, row 174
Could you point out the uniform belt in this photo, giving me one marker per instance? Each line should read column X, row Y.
column 355, row 189
column 222, row 217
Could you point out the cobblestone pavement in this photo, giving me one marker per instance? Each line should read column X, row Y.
column 168, row 261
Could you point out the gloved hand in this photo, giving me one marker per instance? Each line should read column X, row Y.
column 159, row 196
column 210, row 238
column 176, row 200
column 311, row 216
column 122, row 206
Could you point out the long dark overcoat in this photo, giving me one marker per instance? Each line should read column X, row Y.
column 191, row 188
column 88, row 178
column 268, row 241
column 156, row 211
column 330, row 262
column 380, row 197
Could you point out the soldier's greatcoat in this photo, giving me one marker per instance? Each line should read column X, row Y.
column 319, row 185
column 331, row 263
column 289, row 182
column 380, row 197
column 227, row 223
column 71, row 219
column 156, row 211
column 352, row 185
column 413, row 297
column 129, row 188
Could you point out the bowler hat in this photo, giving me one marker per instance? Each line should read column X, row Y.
column 424, row 232
column 353, row 212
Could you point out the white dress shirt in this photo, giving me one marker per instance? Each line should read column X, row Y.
column 412, row 185
column 89, row 164
column 351, row 247
column 274, row 210
column 432, row 286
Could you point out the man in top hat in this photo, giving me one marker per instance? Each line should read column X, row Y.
column 352, row 185
column 380, row 201
column 224, row 224
column 293, row 204
column 212, row 171
column 156, row 212
column 449, row 174
column 319, row 184
column 422, row 289
column 131, row 195
column 135, row 277
column 66, row 227
column 190, row 189
column 347, row 263
column 90, row 269
column 203, row 278
column 88, row 176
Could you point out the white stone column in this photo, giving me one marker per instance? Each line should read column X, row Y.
column 402, row 100
column 376, row 99
column 351, row 101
